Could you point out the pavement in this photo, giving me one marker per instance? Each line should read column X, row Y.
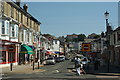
column 22, row 69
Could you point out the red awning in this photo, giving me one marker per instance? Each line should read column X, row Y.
column 10, row 41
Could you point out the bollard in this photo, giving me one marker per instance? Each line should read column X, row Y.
column 10, row 66
column 33, row 65
column 38, row 65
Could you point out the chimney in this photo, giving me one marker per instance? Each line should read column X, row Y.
column 18, row 2
column 102, row 34
column 25, row 7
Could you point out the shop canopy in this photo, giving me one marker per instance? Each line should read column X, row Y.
column 48, row 52
column 26, row 49
column 57, row 52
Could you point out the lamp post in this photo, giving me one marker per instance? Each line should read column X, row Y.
column 11, row 64
column 107, row 37
column 106, row 17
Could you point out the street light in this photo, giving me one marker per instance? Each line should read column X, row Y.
column 106, row 17
column 107, row 37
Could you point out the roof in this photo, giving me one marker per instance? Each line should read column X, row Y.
column 23, row 11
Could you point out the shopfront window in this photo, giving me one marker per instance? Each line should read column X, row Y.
column 11, row 57
column 3, row 56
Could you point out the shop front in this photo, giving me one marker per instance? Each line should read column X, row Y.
column 9, row 50
column 26, row 54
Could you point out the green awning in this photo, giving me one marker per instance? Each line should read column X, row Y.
column 26, row 49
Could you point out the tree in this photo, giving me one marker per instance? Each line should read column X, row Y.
column 96, row 36
column 81, row 37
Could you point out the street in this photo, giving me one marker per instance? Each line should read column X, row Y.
column 60, row 71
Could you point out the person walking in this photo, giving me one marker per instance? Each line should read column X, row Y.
column 77, row 65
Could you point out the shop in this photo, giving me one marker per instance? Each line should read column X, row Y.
column 26, row 54
column 10, row 51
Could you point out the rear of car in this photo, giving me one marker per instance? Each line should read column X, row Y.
column 61, row 58
column 50, row 60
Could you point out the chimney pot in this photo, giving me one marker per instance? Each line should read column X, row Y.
column 25, row 7
column 18, row 2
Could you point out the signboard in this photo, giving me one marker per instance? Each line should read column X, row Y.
column 86, row 47
column 11, row 48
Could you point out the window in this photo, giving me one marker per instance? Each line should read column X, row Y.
column 7, row 27
column 2, row 7
column 118, row 36
column 27, row 21
column 3, row 27
column 21, row 18
column 114, row 39
column 28, row 36
column 12, row 11
column 22, row 35
column 13, row 31
column 55, row 41
column 4, row 56
column 34, row 38
column 30, row 23
column 17, row 15
column 11, row 57
column 16, row 32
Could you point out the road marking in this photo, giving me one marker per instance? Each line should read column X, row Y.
column 106, row 76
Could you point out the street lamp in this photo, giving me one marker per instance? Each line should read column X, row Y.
column 107, row 37
column 106, row 17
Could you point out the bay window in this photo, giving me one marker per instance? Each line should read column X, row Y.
column 14, row 30
column 3, row 27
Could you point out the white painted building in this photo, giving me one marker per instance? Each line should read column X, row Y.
column 56, row 45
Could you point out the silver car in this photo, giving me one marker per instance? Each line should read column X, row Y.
column 85, row 60
column 50, row 60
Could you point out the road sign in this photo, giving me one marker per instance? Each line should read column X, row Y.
column 86, row 47
column 11, row 48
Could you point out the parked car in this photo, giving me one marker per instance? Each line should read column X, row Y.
column 61, row 58
column 84, row 60
column 50, row 60
column 57, row 59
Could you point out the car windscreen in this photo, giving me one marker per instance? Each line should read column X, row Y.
column 50, row 58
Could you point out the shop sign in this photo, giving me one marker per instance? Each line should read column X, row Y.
column 11, row 48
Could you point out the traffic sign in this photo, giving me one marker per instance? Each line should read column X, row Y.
column 86, row 47
column 11, row 48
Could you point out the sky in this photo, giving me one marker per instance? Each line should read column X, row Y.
column 64, row 18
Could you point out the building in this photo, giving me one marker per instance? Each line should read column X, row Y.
column 114, row 48
column 20, row 32
column 71, row 38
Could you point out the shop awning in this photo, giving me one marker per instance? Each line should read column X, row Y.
column 26, row 50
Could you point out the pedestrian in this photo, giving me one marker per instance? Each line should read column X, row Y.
column 81, row 69
column 32, row 58
column 77, row 65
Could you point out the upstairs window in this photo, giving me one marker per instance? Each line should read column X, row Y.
column 13, row 31
column 3, row 27
column 12, row 12
column 7, row 27
column 118, row 36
